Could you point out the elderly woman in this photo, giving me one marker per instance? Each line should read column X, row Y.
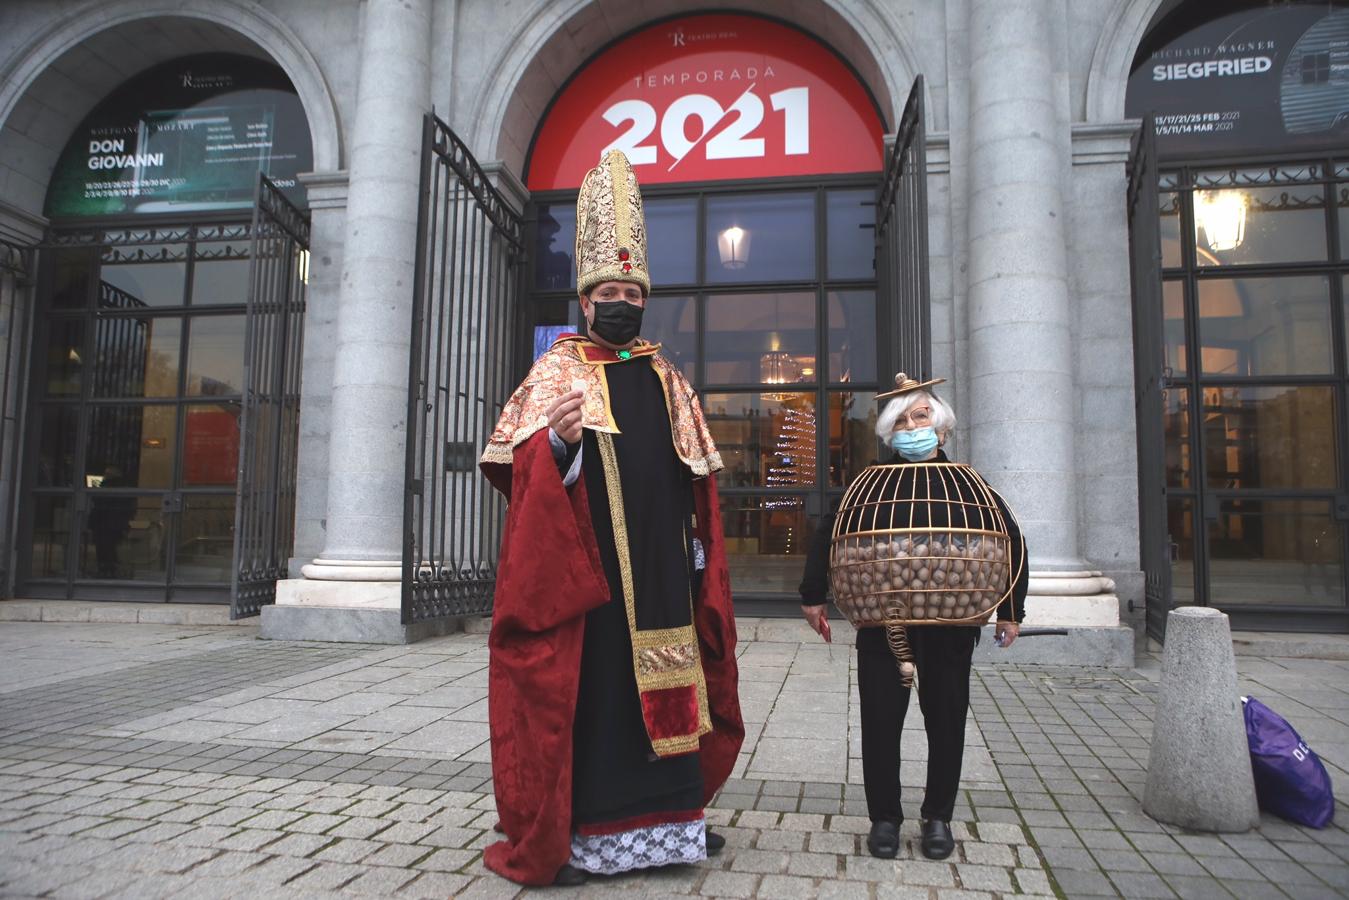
column 915, row 424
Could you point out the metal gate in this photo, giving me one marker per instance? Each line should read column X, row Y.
column 1145, row 264
column 16, row 273
column 901, row 247
column 269, row 421
column 470, row 252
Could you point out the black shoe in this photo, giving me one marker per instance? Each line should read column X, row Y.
column 714, row 842
column 883, row 842
column 937, row 840
column 569, row 876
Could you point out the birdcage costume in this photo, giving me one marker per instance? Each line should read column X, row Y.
column 923, row 543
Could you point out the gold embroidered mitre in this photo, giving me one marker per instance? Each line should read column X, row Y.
column 610, row 226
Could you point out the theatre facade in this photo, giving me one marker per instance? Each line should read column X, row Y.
column 269, row 271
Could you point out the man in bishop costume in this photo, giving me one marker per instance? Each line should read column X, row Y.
column 612, row 689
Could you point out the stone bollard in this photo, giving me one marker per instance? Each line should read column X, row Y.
column 1199, row 770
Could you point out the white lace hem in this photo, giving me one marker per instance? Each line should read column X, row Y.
column 640, row 848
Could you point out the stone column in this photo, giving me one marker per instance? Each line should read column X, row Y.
column 327, row 193
column 359, row 568
column 1022, row 406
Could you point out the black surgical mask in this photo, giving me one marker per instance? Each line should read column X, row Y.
column 617, row 321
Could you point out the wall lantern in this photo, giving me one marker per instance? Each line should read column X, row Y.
column 1221, row 215
column 733, row 246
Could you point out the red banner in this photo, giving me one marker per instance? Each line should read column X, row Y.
column 710, row 98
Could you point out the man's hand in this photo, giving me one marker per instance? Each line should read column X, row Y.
column 1004, row 633
column 815, row 617
column 564, row 416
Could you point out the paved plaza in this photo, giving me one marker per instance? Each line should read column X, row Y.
column 146, row 761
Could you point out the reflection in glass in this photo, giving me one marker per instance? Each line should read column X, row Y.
column 852, row 435
column 1342, row 209
column 131, row 446
column 215, row 356
column 65, row 362
column 552, row 319
column 1170, row 229
column 1276, row 552
column 51, row 536
column 672, row 235
column 70, row 278
column 766, row 538
column 1241, row 226
column 123, row 538
column 1180, row 529
column 1265, row 326
column 220, row 281
column 136, row 356
column 57, row 446
column 205, row 552
column 554, row 247
column 1173, row 325
column 764, row 440
column 1270, row 437
column 761, row 237
column 211, row 445
column 850, row 218
column 746, row 332
column 143, row 284
column 672, row 322
column 852, row 336
column 1176, row 427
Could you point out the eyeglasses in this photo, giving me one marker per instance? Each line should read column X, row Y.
column 918, row 418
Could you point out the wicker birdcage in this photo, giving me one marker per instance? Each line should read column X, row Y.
column 920, row 544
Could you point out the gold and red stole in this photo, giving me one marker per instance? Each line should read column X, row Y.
column 665, row 661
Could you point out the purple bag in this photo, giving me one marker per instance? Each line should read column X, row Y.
column 1290, row 780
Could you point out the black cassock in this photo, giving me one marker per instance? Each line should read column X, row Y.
column 616, row 776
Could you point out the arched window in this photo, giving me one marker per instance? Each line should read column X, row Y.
column 759, row 151
column 1252, row 133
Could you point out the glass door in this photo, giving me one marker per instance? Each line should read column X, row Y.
column 136, row 415
column 1254, row 310
column 766, row 300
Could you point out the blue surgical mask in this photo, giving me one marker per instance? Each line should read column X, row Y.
column 916, row 444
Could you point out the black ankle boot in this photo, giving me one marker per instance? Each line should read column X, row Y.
column 569, row 876
column 937, row 840
column 883, row 842
column 714, row 842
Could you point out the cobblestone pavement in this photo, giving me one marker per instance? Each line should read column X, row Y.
column 144, row 761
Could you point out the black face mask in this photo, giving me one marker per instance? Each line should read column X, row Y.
column 617, row 321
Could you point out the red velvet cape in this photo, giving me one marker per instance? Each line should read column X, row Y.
column 549, row 576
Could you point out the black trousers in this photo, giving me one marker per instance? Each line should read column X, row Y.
column 942, row 654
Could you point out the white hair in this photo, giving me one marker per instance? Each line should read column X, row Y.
column 943, row 417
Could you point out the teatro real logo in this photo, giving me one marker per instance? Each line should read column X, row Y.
column 678, row 38
column 206, row 81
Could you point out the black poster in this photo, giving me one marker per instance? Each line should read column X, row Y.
column 1264, row 80
column 187, row 136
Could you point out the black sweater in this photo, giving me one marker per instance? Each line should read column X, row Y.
column 815, row 582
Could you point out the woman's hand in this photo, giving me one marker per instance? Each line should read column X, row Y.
column 1005, row 633
column 564, row 416
column 816, row 618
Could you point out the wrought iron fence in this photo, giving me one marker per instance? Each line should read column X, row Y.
column 470, row 252
column 269, row 422
column 901, row 245
column 16, row 273
column 1145, row 264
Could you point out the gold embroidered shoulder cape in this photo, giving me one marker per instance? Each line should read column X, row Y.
column 574, row 358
